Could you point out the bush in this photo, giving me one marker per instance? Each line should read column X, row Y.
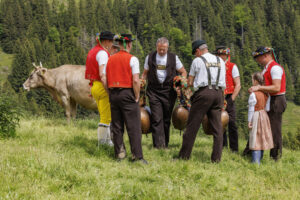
column 292, row 141
column 9, row 117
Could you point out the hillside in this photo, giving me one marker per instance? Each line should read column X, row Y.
column 53, row 160
column 5, row 65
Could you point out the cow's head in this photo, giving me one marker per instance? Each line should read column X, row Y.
column 36, row 78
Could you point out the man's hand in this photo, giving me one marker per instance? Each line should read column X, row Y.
column 178, row 91
column 254, row 88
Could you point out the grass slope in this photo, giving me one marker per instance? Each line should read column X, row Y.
column 51, row 159
column 290, row 118
column 5, row 65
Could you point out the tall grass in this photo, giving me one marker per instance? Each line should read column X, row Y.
column 50, row 159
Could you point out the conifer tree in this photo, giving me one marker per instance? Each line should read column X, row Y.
column 22, row 64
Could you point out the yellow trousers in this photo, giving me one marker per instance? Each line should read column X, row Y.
column 101, row 97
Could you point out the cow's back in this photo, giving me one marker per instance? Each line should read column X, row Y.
column 70, row 78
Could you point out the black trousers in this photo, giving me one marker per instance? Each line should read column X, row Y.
column 124, row 109
column 204, row 101
column 277, row 108
column 161, row 103
column 232, row 128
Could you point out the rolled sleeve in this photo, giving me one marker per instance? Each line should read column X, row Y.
column 235, row 72
column 102, row 58
column 276, row 72
column 193, row 69
column 179, row 64
column 135, row 65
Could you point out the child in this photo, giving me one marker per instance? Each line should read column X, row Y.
column 260, row 135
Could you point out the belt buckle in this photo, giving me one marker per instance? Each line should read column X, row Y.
column 161, row 67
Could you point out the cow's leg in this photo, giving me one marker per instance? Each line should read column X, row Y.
column 67, row 105
column 73, row 106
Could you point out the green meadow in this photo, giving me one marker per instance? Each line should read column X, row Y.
column 51, row 159
column 5, row 65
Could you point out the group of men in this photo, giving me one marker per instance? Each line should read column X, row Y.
column 115, row 85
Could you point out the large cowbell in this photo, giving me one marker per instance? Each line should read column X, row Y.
column 145, row 119
column 179, row 117
column 207, row 127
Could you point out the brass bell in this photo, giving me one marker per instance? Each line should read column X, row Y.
column 207, row 127
column 179, row 117
column 145, row 120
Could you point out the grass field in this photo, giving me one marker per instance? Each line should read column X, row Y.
column 5, row 65
column 50, row 159
column 291, row 120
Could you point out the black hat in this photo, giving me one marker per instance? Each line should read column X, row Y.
column 105, row 35
column 260, row 51
column 196, row 44
column 222, row 50
column 124, row 36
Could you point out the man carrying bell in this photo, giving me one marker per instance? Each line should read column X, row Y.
column 160, row 69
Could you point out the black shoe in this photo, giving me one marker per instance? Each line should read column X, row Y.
column 247, row 152
column 142, row 160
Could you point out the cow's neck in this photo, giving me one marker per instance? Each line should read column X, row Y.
column 49, row 83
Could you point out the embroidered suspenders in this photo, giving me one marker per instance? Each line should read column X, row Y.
column 208, row 65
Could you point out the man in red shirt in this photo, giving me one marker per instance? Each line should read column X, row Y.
column 233, row 86
column 123, row 81
column 275, row 85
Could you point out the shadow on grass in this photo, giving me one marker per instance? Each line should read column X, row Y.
column 90, row 146
column 201, row 156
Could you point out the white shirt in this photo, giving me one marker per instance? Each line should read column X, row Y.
column 134, row 64
column 162, row 60
column 102, row 58
column 276, row 71
column 235, row 71
column 252, row 102
column 198, row 70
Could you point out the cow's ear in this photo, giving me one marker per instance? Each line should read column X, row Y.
column 43, row 70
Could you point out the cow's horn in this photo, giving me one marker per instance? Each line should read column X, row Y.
column 41, row 65
column 34, row 65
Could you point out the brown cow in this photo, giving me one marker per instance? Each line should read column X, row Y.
column 66, row 84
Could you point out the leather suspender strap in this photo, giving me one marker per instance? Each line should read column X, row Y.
column 219, row 70
column 208, row 71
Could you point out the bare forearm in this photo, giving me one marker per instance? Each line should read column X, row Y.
column 104, row 82
column 136, row 89
column 136, row 86
column 191, row 81
column 145, row 73
column 236, row 91
column 182, row 72
column 269, row 89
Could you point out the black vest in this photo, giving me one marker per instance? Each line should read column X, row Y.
column 153, row 82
